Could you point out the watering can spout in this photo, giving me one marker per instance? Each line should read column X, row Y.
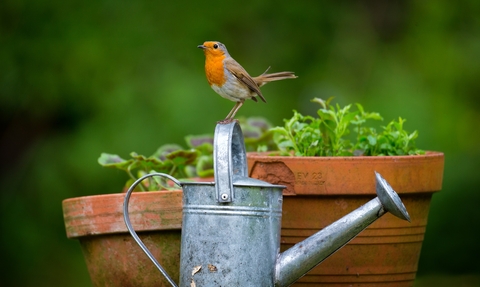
column 305, row 255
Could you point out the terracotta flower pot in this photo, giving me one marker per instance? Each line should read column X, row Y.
column 112, row 256
column 320, row 190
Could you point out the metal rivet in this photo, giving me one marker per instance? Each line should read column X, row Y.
column 224, row 196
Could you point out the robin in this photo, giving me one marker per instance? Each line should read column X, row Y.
column 231, row 81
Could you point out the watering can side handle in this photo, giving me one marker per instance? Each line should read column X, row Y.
column 137, row 239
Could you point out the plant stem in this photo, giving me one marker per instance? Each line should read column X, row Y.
column 142, row 187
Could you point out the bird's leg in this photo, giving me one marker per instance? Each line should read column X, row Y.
column 235, row 109
column 232, row 113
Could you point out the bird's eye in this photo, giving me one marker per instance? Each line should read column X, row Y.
column 215, row 46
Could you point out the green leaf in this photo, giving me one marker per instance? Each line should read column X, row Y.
column 160, row 183
column 204, row 167
column 205, row 148
column 183, row 157
column 199, row 140
column 113, row 160
column 324, row 104
column 348, row 117
column 164, row 150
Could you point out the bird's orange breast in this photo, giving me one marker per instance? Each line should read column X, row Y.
column 214, row 69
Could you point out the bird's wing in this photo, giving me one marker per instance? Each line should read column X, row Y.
column 239, row 72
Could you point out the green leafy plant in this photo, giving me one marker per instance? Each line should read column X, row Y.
column 181, row 163
column 172, row 159
column 329, row 134
column 257, row 134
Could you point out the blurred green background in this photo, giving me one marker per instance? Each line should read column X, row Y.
column 78, row 78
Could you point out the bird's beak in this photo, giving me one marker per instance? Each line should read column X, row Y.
column 201, row 47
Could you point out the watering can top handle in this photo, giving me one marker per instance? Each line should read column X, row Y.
column 229, row 159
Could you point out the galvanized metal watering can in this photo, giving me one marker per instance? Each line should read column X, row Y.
column 231, row 227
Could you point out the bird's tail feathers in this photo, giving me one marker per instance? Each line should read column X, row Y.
column 265, row 78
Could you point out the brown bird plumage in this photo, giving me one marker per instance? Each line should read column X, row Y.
column 231, row 81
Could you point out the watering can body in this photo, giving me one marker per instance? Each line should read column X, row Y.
column 230, row 244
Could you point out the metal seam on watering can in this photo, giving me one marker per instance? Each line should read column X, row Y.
column 237, row 210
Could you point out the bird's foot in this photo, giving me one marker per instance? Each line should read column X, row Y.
column 227, row 121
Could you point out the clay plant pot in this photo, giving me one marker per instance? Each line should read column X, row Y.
column 321, row 190
column 112, row 256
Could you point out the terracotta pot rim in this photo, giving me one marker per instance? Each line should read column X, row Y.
column 428, row 154
column 103, row 214
column 348, row 175
column 121, row 194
